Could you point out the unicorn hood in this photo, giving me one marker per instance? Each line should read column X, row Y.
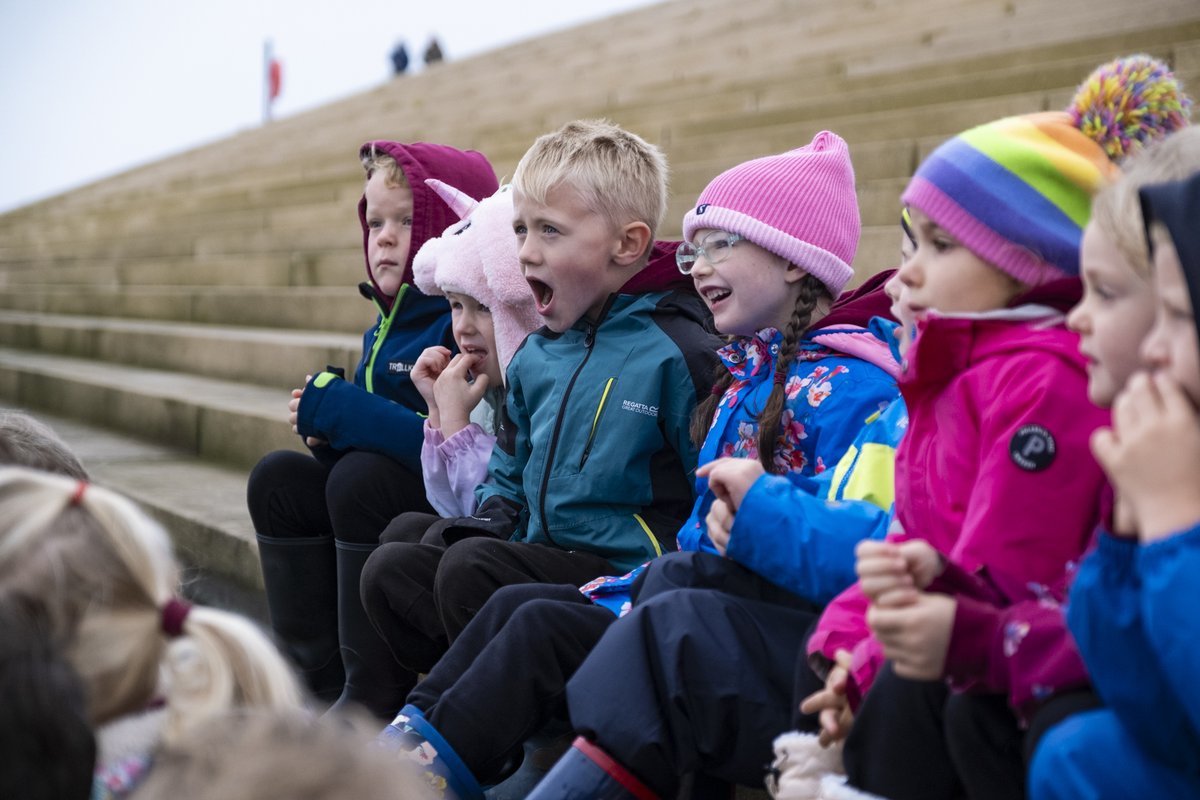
column 477, row 256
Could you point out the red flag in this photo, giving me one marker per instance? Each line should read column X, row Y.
column 274, row 79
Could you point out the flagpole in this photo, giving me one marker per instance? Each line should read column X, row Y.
column 266, row 80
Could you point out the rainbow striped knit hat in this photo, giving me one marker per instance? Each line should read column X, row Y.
column 1017, row 192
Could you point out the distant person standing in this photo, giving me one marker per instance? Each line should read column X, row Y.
column 433, row 52
column 400, row 59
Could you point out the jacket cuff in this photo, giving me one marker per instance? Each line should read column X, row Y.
column 972, row 639
column 310, row 404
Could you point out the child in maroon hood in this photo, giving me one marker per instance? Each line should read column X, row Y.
column 318, row 517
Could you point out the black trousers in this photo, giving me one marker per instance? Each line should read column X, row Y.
column 293, row 495
column 505, row 676
column 693, row 681
column 917, row 739
column 421, row 596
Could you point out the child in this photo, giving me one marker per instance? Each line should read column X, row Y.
column 104, row 573
column 257, row 755
column 317, row 519
column 1000, row 485
column 464, row 392
column 1131, row 603
column 771, row 300
column 47, row 748
column 26, row 442
column 593, row 461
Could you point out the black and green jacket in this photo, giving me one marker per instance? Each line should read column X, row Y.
column 593, row 448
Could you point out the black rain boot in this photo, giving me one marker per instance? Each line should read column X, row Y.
column 301, row 582
column 586, row 772
column 374, row 679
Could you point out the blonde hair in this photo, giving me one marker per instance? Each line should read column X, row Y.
column 616, row 173
column 1116, row 209
column 26, row 442
column 104, row 571
column 374, row 159
column 255, row 755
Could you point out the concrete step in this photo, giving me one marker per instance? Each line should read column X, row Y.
column 219, row 421
column 202, row 507
column 340, row 309
column 328, row 268
column 278, row 359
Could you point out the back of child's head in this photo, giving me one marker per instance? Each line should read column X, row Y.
column 255, row 755
column 409, row 166
column 47, row 748
column 1017, row 192
column 27, row 442
column 477, row 257
column 1116, row 208
column 616, row 174
column 105, row 573
column 801, row 206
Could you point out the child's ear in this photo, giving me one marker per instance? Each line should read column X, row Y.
column 632, row 242
column 793, row 273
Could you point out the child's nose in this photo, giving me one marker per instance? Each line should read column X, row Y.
column 528, row 252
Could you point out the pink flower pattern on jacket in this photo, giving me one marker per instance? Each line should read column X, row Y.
column 747, row 358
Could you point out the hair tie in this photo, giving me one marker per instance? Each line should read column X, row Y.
column 717, row 390
column 77, row 496
column 780, row 374
column 173, row 614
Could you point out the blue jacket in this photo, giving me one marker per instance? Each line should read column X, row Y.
column 593, row 448
column 800, row 532
column 1132, row 611
column 828, row 398
column 381, row 410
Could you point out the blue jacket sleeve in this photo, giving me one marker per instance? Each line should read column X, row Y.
column 351, row 418
column 1106, row 618
column 1170, row 597
column 799, row 541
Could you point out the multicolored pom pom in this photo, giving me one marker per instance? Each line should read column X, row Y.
column 1128, row 103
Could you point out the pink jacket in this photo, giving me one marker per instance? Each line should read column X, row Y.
column 995, row 470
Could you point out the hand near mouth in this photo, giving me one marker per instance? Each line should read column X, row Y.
column 456, row 394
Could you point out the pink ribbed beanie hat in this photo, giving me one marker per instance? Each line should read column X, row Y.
column 799, row 205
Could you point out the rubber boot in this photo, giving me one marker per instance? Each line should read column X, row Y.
column 301, row 581
column 374, row 679
column 586, row 772
column 440, row 767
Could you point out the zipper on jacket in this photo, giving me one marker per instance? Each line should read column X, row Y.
column 588, row 340
column 587, row 449
column 381, row 336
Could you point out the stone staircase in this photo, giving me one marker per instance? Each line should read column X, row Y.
column 164, row 313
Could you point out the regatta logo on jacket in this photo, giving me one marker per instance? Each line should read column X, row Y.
column 639, row 408
column 399, row 367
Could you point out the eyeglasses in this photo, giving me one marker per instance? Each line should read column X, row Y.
column 715, row 250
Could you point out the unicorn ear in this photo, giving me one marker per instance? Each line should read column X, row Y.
column 460, row 203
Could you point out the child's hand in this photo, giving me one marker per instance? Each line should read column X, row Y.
column 730, row 478
column 719, row 523
column 1153, row 445
column 425, row 373
column 891, row 574
column 915, row 637
column 831, row 704
column 456, row 396
column 294, row 415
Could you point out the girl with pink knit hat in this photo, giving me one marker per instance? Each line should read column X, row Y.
column 474, row 265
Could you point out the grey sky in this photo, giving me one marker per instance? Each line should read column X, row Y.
column 91, row 87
